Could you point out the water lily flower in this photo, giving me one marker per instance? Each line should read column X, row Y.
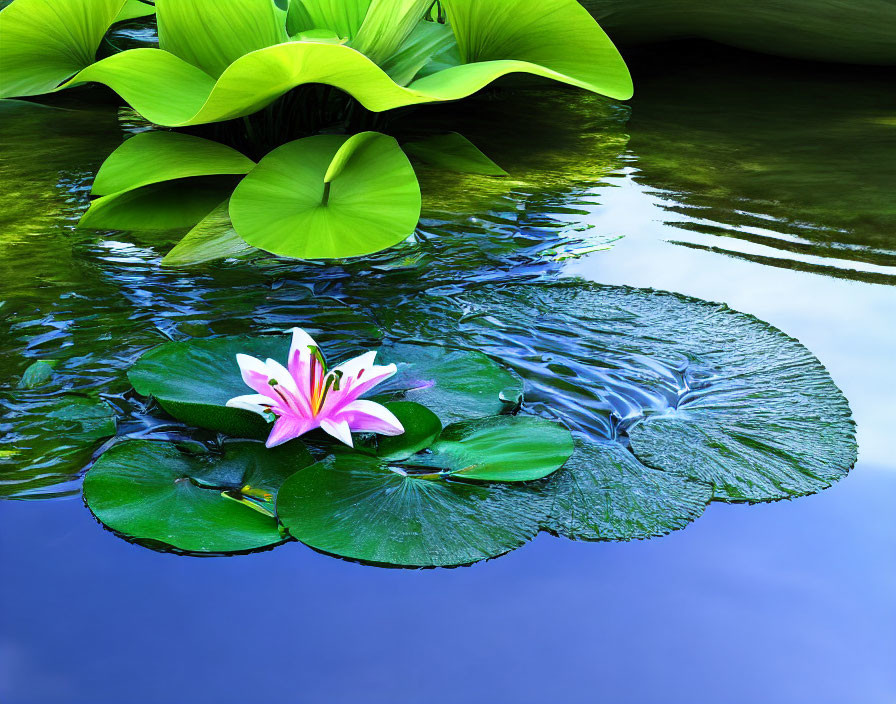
column 305, row 395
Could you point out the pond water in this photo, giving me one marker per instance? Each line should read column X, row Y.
column 764, row 185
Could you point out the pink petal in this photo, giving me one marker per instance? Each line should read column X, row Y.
column 257, row 403
column 370, row 417
column 286, row 428
column 290, row 388
column 299, row 354
column 357, row 387
column 339, row 429
column 255, row 373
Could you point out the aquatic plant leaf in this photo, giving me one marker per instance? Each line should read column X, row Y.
column 357, row 507
column 454, row 152
column 171, row 205
column 193, row 381
column 134, row 9
column 500, row 449
column 48, row 444
column 211, row 239
column 344, row 17
column 604, row 493
column 421, row 428
column 387, row 25
column 424, row 44
column 701, row 390
column 286, row 206
column 456, row 385
column 46, row 42
column 152, row 491
column 153, row 157
column 37, row 374
column 212, row 34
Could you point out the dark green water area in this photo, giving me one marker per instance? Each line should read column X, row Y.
column 700, row 284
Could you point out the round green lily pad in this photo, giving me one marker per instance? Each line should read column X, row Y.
column 701, row 390
column 500, row 449
column 358, row 507
column 604, row 493
column 328, row 196
column 456, row 385
column 206, row 503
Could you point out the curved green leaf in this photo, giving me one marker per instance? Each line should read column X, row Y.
column 212, row 34
column 170, row 205
column 45, row 42
column 387, row 25
column 152, row 491
column 37, row 374
column 357, row 507
column 423, row 46
column 500, row 449
column 344, row 17
column 211, row 239
column 134, row 9
column 454, row 152
column 604, row 493
column 153, row 157
column 285, row 205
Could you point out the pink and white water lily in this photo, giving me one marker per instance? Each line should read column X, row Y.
column 305, row 395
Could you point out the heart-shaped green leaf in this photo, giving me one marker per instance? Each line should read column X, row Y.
column 357, row 507
column 313, row 199
column 153, row 491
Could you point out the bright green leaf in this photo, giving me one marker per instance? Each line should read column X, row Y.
column 212, row 34
column 153, row 157
column 45, row 42
column 211, row 239
column 284, row 205
column 387, row 25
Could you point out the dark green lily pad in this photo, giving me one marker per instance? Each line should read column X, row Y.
column 604, row 493
column 456, row 385
column 703, row 391
column 500, row 449
column 421, row 428
column 193, row 381
column 205, row 503
column 357, row 507
column 48, row 444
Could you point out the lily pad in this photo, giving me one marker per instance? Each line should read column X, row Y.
column 604, row 493
column 456, row 385
column 328, row 196
column 421, row 428
column 502, row 449
column 204, row 503
column 193, row 381
column 702, row 390
column 37, row 374
column 47, row 444
column 357, row 507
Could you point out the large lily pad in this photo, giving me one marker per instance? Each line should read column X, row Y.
column 604, row 493
column 203, row 503
column 193, row 380
column 328, row 196
column 703, row 391
column 357, row 507
column 456, row 385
